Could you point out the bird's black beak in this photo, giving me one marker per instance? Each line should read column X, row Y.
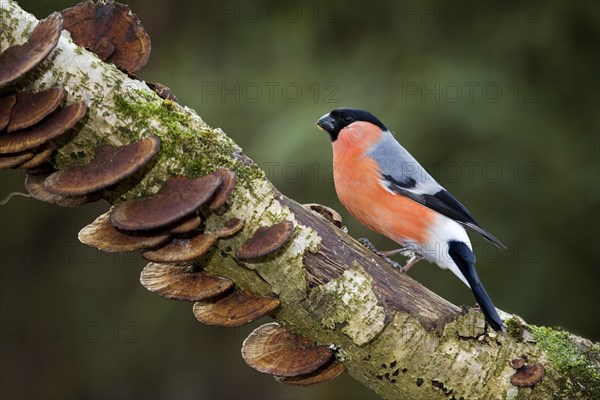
column 327, row 123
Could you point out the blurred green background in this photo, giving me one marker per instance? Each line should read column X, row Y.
column 498, row 100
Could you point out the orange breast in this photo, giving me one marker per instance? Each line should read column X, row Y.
column 358, row 186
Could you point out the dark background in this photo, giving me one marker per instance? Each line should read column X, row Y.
column 498, row 100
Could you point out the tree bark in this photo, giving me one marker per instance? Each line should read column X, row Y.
column 395, row 336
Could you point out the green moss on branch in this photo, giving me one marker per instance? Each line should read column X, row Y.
column 570, row 360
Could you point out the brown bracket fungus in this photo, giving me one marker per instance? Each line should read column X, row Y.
column 111, row 31
column 188, row 225
column 528, row 375
column 182, row 282
column 326, row 212
column 31, row 107
column 182, row 249
column 176, row 199
column 6, row 105
column 230, row 227
column 518, row 363
column 266, row 240
column 272, row 349
column 110, row 165
column 104, row 236
column 17, row 60
column 34, row 183
column 326, row 373
column 13, row 160
column 235, row 309
column 43, row 132
column 228, row 180
column 162, row 91
column 43, row 154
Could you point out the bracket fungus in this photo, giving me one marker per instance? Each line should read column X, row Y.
column 34, row 183
column 176, row 199
column 326, row 212
column 48, row 129
column 110, row 165
column 182, row 249
column 182, row 282
column 228, row 180
column 19, row 59
column 42, row 154
column 162, row 91
column 111, row 31
column 6, row 105
column 272, row 349
column 518, row 363
column 31, row 108
column 265, row 241
column 188, row 225
column 230, row 227
column 235, row 309
column 528, row 375
column 14, row 160
column 104, row 236
column 326, row 373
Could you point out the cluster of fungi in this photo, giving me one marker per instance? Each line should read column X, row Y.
column 167, row 227
column 527, row 375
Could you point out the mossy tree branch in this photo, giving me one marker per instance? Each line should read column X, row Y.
column 394, row 336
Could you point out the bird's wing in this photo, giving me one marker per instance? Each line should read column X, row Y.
column 402, row 174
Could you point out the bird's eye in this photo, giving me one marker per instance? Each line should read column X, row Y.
column 348, row 119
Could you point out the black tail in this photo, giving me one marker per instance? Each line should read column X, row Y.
column 465, row 260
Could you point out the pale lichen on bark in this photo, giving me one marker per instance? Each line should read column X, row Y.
column 462, row 361
column 350, row 301
column 395, row 353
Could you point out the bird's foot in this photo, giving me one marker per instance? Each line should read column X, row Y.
column 413, row 260
column 392, row 262
column 367, row 243
column 405, row 251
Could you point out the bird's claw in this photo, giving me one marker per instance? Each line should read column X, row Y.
column 384, row 254
column 393, row 263
column 367, row 243
column 405, row 252
column 413, row 260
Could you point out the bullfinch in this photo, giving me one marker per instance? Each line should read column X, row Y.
column 388, row 191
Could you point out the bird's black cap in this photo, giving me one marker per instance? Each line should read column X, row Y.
column 340, row 118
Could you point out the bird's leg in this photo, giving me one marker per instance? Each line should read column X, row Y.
column 405, row 251
column 413, row 260
column 367, row 243
column 401, row 250
column 391, row 262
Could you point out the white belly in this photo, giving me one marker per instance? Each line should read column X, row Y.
column 435, row 250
